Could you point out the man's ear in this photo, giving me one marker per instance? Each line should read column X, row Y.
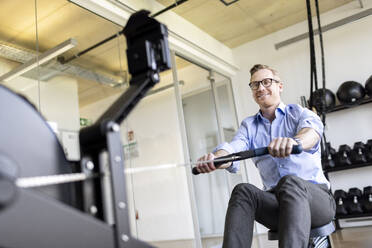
column 281, row 86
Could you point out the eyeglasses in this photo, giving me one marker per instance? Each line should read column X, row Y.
column 266, row 82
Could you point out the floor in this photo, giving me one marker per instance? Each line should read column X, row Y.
column 355, row 237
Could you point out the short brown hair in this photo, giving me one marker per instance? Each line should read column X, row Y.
column 258, row 67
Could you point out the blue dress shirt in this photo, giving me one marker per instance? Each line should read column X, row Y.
column 257, row 131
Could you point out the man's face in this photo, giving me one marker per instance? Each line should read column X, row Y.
column 266, row 96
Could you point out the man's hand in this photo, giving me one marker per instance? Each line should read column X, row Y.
column 209, row 167
column 206, row 167
column 281, row 147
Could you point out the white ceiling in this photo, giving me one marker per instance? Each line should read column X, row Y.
column 59, row 20
column 246, row 20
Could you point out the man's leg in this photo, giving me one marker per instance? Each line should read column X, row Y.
column 246, row 204
column 302, row 205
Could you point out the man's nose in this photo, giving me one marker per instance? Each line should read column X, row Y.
column 260, row 87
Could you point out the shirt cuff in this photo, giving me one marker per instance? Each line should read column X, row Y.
column 227, row 147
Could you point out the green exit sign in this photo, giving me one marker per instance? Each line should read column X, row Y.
column 85, row 122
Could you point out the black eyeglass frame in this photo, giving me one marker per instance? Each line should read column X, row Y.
column 257, row 83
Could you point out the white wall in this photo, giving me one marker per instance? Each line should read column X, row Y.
column 348, row 55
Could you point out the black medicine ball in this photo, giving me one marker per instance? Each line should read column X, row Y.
column 350, row 92
column 368, row 86
column 317, row 99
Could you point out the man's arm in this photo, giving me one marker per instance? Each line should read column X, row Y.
column 309, row 137
column 282, row 147
column 221, row 153
column 239, row 143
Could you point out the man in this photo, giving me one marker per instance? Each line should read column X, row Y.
column 296, row 195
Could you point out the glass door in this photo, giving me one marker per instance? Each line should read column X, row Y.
column 210, row 119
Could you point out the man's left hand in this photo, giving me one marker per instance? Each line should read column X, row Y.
column 281, row 147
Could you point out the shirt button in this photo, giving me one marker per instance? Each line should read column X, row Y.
column 281, row 166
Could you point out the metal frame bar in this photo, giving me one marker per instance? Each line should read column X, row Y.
column 186, row 152
column 361, row 4
column 116, row 162
column 221, row 135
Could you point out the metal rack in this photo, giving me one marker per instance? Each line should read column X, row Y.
column 352, row 166
column 347, row 106
column 346, row 167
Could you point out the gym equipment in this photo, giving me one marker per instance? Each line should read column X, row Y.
column 321, row 103
column 318, row 235
column 368, row 150
column 350, row 92
column 357, row 155
column 8, row 173
column 328, row 156
column 343, row 156
column 340, row 198
column 92, row 212
column 368, row 86
column 296, row 149
column 353, row 205
column 367, row 199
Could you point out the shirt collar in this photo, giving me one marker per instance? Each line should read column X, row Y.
column 280, row 108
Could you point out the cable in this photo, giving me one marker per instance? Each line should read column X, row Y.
column 311, row 43
column 62, row 60
column 323, row 114
column 324, row 148
column 37, row 56
column 179, row 2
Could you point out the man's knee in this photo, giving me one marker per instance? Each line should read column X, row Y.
column 290, row 180
column 291, row 183
column 244, row 190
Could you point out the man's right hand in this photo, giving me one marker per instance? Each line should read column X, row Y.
column 209, row 167
column 206, row 167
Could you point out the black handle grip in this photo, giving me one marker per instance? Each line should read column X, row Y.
column 195, row 171
column 216, row 164
column 296, row 149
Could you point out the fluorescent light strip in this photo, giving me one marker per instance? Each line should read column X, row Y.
column 41, row 59
column 108, row 10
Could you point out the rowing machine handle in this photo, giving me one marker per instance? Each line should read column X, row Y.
column 296, row 149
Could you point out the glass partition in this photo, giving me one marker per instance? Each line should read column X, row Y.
column 36, row 39
column 39, row 44
column 18, row 45
column 228, row 119
column 154, row 152
column 210, row 119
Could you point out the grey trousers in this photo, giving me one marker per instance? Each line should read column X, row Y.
column 291, row 208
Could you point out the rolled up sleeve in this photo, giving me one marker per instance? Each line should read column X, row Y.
column 311, row 120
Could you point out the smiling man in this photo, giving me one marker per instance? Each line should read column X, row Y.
column 296, row 194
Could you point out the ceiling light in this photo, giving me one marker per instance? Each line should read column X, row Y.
column 114, row 12
column 41, row 59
